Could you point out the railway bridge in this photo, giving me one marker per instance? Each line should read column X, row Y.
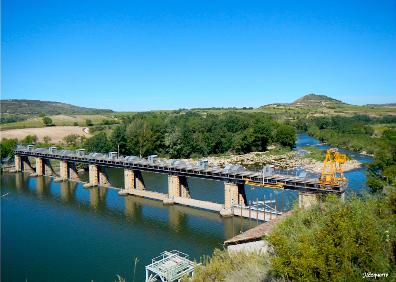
column 234, row 177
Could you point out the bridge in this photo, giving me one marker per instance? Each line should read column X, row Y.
column 234, row 177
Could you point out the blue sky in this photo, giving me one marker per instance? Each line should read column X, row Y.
column 144, row 55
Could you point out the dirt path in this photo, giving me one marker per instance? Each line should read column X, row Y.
column 56, row 133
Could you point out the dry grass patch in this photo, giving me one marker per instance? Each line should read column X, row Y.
column 56, row 133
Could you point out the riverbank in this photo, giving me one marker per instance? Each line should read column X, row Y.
column 289, row 160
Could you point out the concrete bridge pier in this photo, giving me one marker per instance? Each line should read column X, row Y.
column 307, row 199
column 48, row 170
column 177, row 187
column 139, row 182
column 234, row 194
column 73, row 174
column 18, row 163
column 63, row 170
column 129, row 179
column 26, row 165
column 103, row 178
column 133, row 179
column 184, row 190
column 93, row 175
column 39, row 167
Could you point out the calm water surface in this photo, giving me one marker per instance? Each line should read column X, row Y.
column 64, row 232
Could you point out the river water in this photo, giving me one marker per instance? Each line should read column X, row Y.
column 64, row 232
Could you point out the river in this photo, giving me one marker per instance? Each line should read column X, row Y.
column 63, row 232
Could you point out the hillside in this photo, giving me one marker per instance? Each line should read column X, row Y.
column 16, row 106
column 313, row 100
column 309, row 101
column 389, row 105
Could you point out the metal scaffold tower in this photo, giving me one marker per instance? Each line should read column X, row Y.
column 169, row 266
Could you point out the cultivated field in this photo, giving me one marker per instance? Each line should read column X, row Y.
column 56, row 133
column 59, row 120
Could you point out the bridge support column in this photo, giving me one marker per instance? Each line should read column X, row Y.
column 63, row 169
column 177, row 187
column 184, row 190
column 234, row 194
column 173, row 186
column 93, row 175
column 73, row 174
column 26, row 166
column 103, row 178
column 129, row 179
column 18, row 163
column 307, row 199
column 48, row 170
column 139, row 182
column 39, row 166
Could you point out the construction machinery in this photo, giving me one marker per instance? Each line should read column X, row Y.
column 332, row 171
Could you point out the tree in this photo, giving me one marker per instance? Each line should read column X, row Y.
column 374, row 184
column 118, row 139
column 139, row 136
column 29, row 139
column 71, row 139
column 97, row 143
column 47, row 121
column 7, row 147
column 286, row 135
column 46, row 139
column 88, row 122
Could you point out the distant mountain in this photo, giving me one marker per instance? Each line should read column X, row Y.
column 17, row 106
column 310, row 101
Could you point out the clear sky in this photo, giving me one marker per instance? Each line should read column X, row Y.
column 143, row 55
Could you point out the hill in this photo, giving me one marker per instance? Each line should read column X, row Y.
column 28, row 107
column 389, row 105
column 313, row 100
column 309, row 101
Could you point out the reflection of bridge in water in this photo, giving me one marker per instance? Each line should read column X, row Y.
column 133, row 209
column 178, row 188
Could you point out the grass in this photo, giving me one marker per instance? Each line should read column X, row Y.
column 225, row 266
column 315, row 153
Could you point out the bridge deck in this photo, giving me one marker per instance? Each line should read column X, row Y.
column 182, row 169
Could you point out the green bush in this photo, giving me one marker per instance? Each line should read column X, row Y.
column 336, row 241
column 47, row 121
column 88, row 122
column 7, row 147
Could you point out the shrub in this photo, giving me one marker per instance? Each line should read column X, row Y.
column 335, row 241
column 88, row 122
column 47, row 121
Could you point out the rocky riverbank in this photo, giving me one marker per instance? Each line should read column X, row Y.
column 289, row 160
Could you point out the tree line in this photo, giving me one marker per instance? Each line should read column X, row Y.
column 192, row 134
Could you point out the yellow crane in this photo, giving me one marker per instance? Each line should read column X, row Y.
column 332, row 171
